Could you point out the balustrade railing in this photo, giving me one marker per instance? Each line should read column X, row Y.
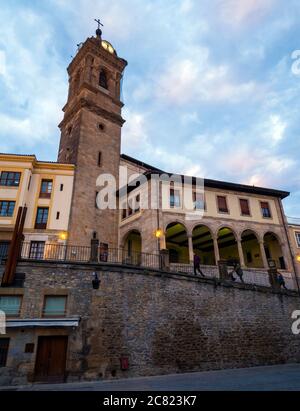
column 83, row 254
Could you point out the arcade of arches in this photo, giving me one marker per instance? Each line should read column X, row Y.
column 248, row 249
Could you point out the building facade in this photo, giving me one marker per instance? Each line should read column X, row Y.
column 45, row 188
column 92, row 301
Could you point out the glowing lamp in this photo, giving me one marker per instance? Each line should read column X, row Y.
column 158, row 233
column 63, row 236
column 298, row 258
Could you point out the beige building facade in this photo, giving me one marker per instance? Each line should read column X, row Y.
column 239, row 222
column 45, row 188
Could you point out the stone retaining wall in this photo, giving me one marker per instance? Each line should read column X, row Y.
column 162, row 322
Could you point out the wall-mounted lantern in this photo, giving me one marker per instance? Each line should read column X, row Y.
column 96, row 282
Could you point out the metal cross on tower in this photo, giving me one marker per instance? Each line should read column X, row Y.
column 99, row 23
column 99, row 31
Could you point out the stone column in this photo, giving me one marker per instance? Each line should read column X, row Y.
column 263, row 255
column 191, row 248
column 163, row 243
column 241, row 253
column 286, row 256
column 216, row 249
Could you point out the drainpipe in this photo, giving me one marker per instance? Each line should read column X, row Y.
column 289, row 244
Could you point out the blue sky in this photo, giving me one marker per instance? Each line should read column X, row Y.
column 209, row 89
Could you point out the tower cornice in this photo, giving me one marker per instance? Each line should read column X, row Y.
column 93, row 46
column 87, row 104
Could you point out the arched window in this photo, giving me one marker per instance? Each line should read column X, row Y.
column 103, row 79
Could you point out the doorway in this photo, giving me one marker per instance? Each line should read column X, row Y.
column 51, row 359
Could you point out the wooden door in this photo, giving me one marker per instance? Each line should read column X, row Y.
column 51, row 359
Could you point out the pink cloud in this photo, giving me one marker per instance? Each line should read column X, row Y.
column 240, row 12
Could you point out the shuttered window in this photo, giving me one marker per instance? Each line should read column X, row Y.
column 55, row 306
column 11, row 305
column 245, row 210
column 222, row 204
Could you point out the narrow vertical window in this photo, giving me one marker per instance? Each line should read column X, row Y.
column 99, row 159
column 103, row 80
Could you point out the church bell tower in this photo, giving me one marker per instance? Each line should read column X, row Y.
column 91, row 136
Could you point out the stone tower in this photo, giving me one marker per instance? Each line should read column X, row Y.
column 91, row 136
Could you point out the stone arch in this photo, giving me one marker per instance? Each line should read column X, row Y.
column 273, row 249
column 227, row 244
column 132, row 247
column 177, row 242
column 221, row 227
column 251, row 249
column 203, row 244
column 173, row 221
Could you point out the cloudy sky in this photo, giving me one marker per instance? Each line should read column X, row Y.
column 212, row 87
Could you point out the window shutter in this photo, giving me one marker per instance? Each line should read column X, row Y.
column 245, row 207
column 222, row 204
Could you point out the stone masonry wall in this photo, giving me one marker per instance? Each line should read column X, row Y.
column 163, row 323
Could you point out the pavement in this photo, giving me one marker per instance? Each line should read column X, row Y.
column 274, row 378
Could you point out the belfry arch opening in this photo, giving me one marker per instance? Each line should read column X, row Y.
column 103, row 79
column 251, row 250
column 177, row 243
column 227, row 244
column 203, row 245
column 273, row 250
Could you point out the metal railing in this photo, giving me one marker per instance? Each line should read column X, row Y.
column 253, row 276
column 84, row 254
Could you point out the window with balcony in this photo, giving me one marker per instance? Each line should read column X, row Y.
column 55, row 306
column 10, row 179
column 42, row 218
column 265, row 210
column 245, row 209
column 222, row 204
column 11, row 305
column 7, row 208
column 37, row 249
column 46, row 189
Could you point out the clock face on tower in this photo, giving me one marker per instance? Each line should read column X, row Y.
column 107, row 46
